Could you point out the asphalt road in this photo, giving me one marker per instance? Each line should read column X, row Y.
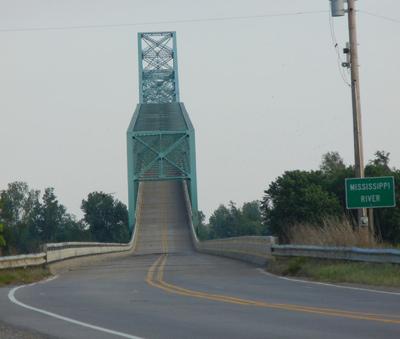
column 166, row 290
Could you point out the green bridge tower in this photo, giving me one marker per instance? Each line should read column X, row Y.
column 160, row 136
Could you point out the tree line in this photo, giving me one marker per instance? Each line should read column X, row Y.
column 29, row 219
column 232, row 221
column 307, row 197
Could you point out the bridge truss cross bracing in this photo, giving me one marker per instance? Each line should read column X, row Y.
column 160, row 137
column 158, row 66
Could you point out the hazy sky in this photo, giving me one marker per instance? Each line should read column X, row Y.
column 265, row 94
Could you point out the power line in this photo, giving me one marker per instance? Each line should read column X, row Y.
column 182, row 21
column 383, row 17
column 336, row 46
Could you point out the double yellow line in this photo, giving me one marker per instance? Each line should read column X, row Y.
column 155, row 278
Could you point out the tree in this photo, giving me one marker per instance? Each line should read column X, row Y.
column 297, row 197
column 232, row 221
column 30, row 221
column 201, row 228
column 19, row 203
column 386, row 220
column 335, row 172
column 2, row 240
column 18, row 214
column 332, row 162
column 71, row 229
column 50, row 216
column 222, row 222
column 107, row 218
column 309, row 197
column 251, row 219
column 381, row 160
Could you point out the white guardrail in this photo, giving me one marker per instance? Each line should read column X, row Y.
column 338, row 253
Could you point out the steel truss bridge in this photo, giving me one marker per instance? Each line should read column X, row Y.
column 160, row 136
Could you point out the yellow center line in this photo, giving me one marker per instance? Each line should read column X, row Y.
column 159, row 266
column 150, row 272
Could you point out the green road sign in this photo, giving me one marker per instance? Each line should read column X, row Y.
column 370, row 192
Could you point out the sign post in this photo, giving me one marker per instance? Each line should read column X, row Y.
column 374, row 192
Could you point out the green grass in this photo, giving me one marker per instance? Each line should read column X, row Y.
column 23, row 275
column 338, row 271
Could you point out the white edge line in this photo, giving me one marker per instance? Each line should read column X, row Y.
column 11, row 296
column 326, row 284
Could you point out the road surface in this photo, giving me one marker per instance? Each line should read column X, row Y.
column 167, row 290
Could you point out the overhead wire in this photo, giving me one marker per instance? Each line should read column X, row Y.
column 335, row 43
column 336, row 46
column 193, row 20
column 182, row 21
column 379, row 16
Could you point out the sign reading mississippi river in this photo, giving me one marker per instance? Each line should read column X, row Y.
column 370, row 192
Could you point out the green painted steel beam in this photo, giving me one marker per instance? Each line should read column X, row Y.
column 160, row 136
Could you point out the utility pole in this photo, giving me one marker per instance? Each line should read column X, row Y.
column 339, row 10
column 355, row 94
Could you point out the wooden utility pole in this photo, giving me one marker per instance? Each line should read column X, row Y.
column 356, row 102
column 338, row 9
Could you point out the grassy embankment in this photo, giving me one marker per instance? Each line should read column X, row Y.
column 336, row 232
column 22, row 275
column 336, row 271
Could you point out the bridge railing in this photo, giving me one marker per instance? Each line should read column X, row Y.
column 25, row 260
column 61, row 251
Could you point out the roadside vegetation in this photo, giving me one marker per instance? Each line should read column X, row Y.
column 310, row 198
column 387, row 275
column 29, row 219
column 231, row 221
column 309, row 207
column 332, row 231
column 23, row 275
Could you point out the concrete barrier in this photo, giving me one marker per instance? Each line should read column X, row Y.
column 62, row 251
column 15, row 261
column 254, row 249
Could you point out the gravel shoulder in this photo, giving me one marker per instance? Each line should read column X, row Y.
column 11, row 332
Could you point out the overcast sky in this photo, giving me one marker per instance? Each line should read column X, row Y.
column 265, row 94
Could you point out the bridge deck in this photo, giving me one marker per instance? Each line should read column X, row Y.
column 163, row 225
